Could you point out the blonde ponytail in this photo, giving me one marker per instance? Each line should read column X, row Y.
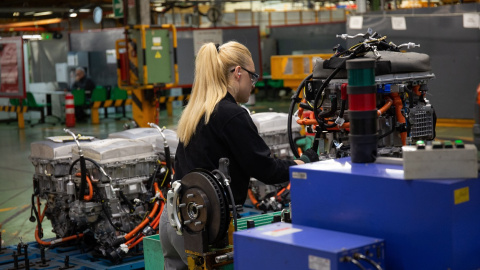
column 210, row 83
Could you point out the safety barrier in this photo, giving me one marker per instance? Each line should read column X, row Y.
column 96, row 105
column 169, row 100
column 20, row 110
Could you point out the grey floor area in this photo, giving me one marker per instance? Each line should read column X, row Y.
column 16, row 170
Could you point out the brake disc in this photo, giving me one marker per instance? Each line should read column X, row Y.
column 203, row 205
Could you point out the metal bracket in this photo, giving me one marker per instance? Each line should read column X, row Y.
column 172, row 206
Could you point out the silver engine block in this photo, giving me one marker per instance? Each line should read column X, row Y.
column 121, row 193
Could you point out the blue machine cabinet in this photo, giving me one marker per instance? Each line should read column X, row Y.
column 426, row 224
column 285, row 246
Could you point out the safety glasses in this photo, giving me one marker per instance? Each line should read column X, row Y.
column 253, row 76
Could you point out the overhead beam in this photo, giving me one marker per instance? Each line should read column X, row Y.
column 30, row 23
column 33, row 9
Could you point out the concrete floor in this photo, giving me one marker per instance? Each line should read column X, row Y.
column 16, row 171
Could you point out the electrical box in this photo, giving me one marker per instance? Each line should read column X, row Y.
column 426, row 224
column 286, row 246
column 154, row 61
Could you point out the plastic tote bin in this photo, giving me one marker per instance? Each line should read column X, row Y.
column 152, row 252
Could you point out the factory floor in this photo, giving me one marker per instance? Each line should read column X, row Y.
column 16, row 170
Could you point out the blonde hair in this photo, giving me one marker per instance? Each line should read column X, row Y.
column 212, row 70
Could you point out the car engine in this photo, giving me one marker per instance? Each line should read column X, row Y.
column 105, row 193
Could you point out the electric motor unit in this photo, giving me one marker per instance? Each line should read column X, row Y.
column 404, row 114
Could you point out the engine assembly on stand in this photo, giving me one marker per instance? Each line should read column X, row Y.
column 105, row 194
column 404, row 115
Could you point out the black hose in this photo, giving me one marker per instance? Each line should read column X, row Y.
column 319, row 93
column 357, row 51
column 390, row 131
column 299, row 138
column 355, row 262
column 342, row 108
column 125, row 199
column 305, row 106
column 317, row 138
column 86, row 159
column 386, row 133
column 332, row 110
column 329, row 125
column 152, row 177
column 83, row 177
column 421, row 98
column 39, row 223
column 83, row 172
column 107, row 215
column 230, row 193
column 168, row 161
column 370, row 261
column 94, row 186
column 295, row 100
column 234, row 207
column 35, row 193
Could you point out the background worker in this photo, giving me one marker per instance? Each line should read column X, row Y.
column 86, row 84
column 214, row 126
column 83, row 82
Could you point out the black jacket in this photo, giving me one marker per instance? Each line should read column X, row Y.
column 231, row 133
column 84, row 83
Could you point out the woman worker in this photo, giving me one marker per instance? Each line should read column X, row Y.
column 214, row 126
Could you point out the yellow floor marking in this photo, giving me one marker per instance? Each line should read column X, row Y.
column 12, row 208
column 7, row 209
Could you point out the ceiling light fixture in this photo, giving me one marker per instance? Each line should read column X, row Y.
column 84, row 10
column 44, row 13
column 73, row 15
column 16, row 14
column 32, row 37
